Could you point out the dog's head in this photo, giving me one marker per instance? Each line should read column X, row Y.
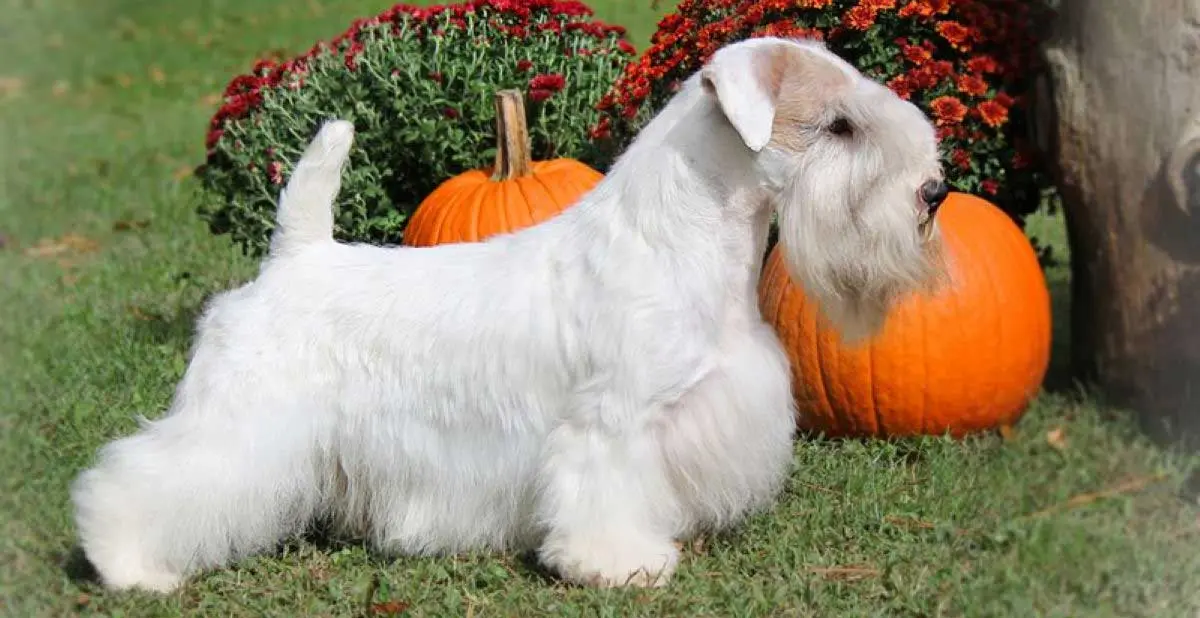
column 852, row 170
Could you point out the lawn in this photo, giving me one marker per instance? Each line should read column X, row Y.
column 105, row 264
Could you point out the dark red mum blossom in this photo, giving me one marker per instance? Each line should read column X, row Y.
column 275, row 171
column 524, row 65
column 548, row 81
column 961, row 159
column 903, row 86
column 916, row 54
column 352, row 54
column 538, row 95
column 213, row 137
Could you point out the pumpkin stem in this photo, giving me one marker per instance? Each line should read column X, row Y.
column 513, row 159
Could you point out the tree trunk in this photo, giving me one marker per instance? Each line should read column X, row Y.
column 1119, row 113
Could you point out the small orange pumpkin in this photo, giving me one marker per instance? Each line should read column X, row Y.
column 965, row 359
column 515, row 193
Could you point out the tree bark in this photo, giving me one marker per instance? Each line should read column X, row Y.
column 1119, row 114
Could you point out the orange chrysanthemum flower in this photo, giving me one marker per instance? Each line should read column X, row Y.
column 972, row 85
column 948, row 110
column 902, row 86
column 955, row 33
column 942, row 68
column 859, row 17
column 992, row 113
column 878, row 5
column 983, row 65
column 939, row 7
column 916, row 8
column 916, row 54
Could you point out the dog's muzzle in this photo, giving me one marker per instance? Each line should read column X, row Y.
column 931, row 194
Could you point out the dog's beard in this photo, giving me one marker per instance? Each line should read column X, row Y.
column 857, row 255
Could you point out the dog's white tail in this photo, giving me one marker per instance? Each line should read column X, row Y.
column 305, row 212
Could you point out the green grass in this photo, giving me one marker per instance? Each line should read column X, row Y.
column 103, row 106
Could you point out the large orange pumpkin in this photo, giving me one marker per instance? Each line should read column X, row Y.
column 514, row 193
column 967, row 358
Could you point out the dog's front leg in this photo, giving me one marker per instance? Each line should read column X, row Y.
column 605, row 501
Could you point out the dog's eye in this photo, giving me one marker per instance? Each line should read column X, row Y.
column 841, row 126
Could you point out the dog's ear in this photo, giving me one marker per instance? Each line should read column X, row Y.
column 745, row 80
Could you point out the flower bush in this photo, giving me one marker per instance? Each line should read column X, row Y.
column 418, row 84
column 967, row 63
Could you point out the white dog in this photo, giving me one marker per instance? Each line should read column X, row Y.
column 597, row 387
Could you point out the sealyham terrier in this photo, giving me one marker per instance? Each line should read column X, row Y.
column 598, row 387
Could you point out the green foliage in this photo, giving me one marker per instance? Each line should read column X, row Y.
column 418, row 84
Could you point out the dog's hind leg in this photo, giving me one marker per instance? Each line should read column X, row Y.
column 193, row 491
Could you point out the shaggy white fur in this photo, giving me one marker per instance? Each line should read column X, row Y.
column 596, row 387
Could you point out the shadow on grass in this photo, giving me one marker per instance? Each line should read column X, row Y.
column 78, row 568
column 323, row 538
column 1059, row 377
column 174, row 328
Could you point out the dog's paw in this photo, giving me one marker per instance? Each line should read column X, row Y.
column 119, row 567
column 133, row 577
column 612, row 562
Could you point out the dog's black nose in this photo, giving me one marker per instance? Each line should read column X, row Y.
column 933, row 193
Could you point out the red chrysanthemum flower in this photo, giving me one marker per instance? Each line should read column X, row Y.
column 552, row 82
column 859, row 17
column 990, row 186
column 955, row 33
column 213, row 137
column 902, row 85
column 916, row 54
column 524, row 65
column 602, row 129
column 961, row 159
column 925, row 77
column 275, row 171
column 879, row 5
column 992, row 113
column 941, row 68
column 972, row 85
column 917, row 8
column 948, row 110
column 983, row 65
